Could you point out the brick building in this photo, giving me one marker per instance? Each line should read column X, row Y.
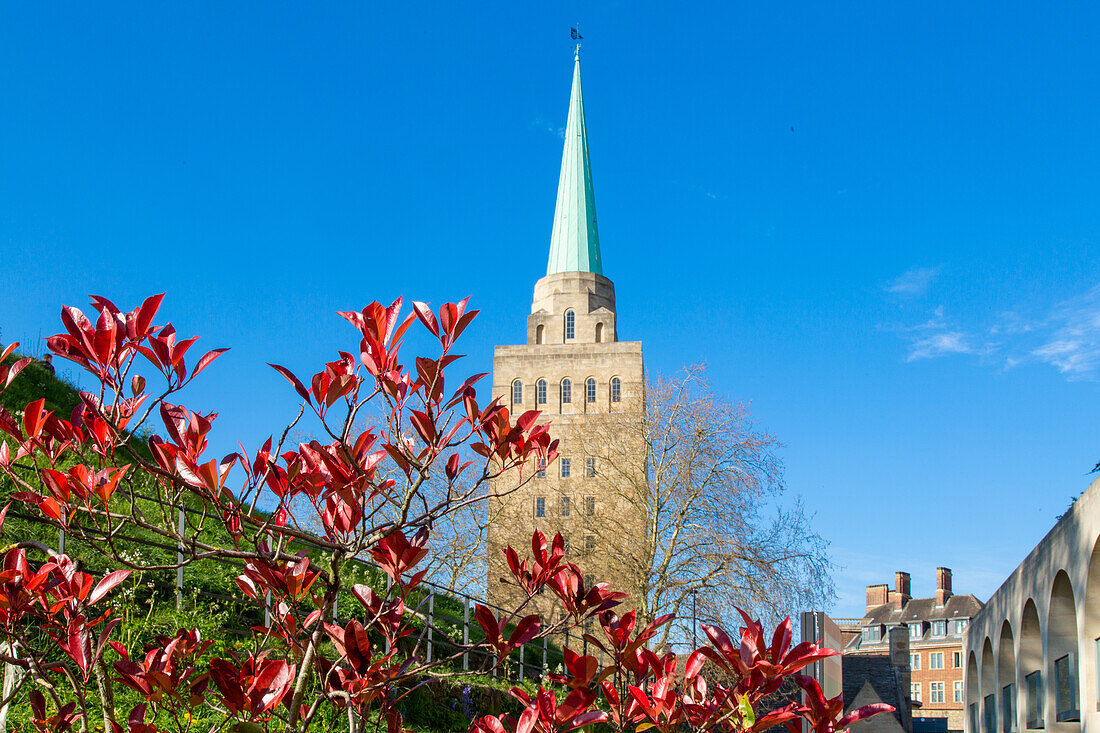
column 936, row 630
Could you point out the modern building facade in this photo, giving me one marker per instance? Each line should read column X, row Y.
column 1033, row 652
column 936, row 628
column 585, row 381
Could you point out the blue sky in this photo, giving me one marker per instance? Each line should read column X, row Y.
column 877, row 223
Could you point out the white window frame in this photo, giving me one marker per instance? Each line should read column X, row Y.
column 566, row 467
column 566, row 506
column 914, row 661
column 915, row 691
column 590, row 390
column 540, row 506
column 570, row 325
column 616, row 389
column 566, row 391
column 517, row 392
column 540, row 392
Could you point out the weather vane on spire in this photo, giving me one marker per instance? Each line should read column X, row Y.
column 575, row 34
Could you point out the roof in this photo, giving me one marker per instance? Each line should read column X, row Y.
column 871, row 678
column 575, row 241
column 924, row 609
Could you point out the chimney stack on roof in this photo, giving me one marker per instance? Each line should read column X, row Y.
column 943, row 585
column 876, row 596
column 902, row 590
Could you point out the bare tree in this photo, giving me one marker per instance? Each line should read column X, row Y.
column 704, row 524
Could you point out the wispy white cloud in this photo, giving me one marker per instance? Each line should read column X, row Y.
column 1066, row 336
column 1073, row 344
column 912, row 282
column 941, row 344
column 541, row 124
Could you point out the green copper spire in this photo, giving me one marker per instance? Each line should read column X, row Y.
column 575, row 243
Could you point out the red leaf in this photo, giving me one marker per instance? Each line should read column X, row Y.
column 109, row 581
column 298, row 386
column 206, row 360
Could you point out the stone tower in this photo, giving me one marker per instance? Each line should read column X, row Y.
column 588, row 384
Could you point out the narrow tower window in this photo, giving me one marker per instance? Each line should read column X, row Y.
column 540, row 391
column 566, row 390
column 599, row 333
column 616, row 390
column 538, row 333
column 517, row 392
column 570, row 325
column 590, row 390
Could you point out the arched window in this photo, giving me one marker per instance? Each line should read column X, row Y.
column 616, row 390
column 566, row 390
column 599, row 333
column 517, row 392
column 570, row 325
column 538, row 333
column 540, row 391
column 590, row 390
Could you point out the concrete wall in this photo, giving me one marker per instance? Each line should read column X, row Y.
column 1048, row 607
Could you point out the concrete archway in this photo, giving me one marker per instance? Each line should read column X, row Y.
column 1063, row 690
column 973, row 694
column 1007, row 688
column 1032, row 678
column 989, row 689
column 1091, row 622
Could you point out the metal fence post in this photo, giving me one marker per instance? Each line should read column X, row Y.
column 61, row 541
column 179, row 559
column 545, row 645
column 428, row 624
column 267, row 609
column 465, row 633
column 522, row 676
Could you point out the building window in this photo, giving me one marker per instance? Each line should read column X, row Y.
column 960, row 625
column 590, row 390
column 957, row 660
column 565, row 506
column 1008, row 708
column 914, row 661
column 914, row 692
column 616, row 389
column 935, row 692
column 989, row 711
column 566, row 464
column 939, row 628
column 590, row 505
column 566, row 546
column 872, row 634
column 517, row 392
column 1034, row 682
column 973, row 717
column 540, row 506
column 570, row 325
column 590, row 468
column 935, row 660
column 566, row 391
column 599, row 333
column 1065, row 688
column 540, row 468
column 916, row 630
column 589, row 543
column 958, row 690
column 538, row 334
column 540, row 392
